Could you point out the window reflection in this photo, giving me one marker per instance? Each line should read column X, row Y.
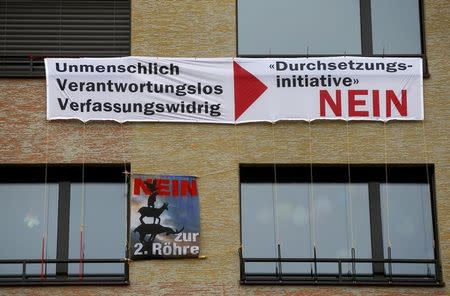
column 104, row 210
column 258, row 235
column 299, row 27
column 396, row 27
column 334, row 220
column 407, row 226
column 24, row 213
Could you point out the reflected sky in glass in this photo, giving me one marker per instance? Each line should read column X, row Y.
column 22, row 217
column 396, row 27
column 298, row 27
column 335, row 220
column 407, row 224
column 105, row 211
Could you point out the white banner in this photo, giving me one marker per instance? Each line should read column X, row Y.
column 234, row 90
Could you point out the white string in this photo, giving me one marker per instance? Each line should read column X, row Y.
column 83, row 196
column 426, row 240
column 236, row 137
column 349, row 195
column 427, row 161
column 125, row 196
column 311, row 195
column 275, row 192
column 428, row 186
column 388, row 234
column 114, row 28
column 60, row 28
column 5, row 32
column 83, row 187
column 46, row 199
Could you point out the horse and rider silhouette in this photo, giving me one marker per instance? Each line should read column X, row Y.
column 155, row 228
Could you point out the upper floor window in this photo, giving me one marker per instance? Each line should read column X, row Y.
column 338, row 224
column 63, row 224
column 33, row 30
column 330, row 27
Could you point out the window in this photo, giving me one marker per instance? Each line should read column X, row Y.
column 33, row 30
column 63, row 224
column 338, row 224
column 330, row 27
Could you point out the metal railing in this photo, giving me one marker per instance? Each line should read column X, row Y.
column 58, row 278
column 352, row 277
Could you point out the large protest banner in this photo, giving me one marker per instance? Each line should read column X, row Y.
column 164, row 217
column 234, row 90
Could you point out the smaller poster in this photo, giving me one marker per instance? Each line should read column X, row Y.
column 164, row 217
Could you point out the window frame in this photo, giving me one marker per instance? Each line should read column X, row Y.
column 63, row 175
column 374, row 175
column 366, row 39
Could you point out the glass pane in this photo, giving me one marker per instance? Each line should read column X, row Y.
column 336, row 207
column 341, row 215
column 22, row 216
column 407, row 224
column 105, row 212
column 293, row 225
column 258, row 238
column 396, row 27
column 298, row 27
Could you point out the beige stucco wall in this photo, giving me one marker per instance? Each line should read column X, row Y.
column 206, row 28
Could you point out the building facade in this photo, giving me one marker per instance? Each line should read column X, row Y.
column 228, row 160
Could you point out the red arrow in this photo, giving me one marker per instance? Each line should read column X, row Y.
column 247, row 89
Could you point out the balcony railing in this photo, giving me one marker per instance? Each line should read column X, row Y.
column 352, row 277
column 58, row 278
